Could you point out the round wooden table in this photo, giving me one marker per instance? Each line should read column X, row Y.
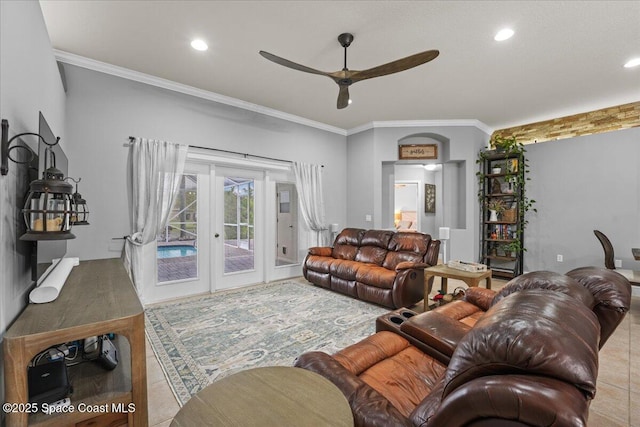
column 272, row 396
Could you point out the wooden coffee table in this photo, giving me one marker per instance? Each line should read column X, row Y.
column 271, row 396
column 446, row 272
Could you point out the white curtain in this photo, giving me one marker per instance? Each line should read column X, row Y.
column 156, row 169
column 309, row 187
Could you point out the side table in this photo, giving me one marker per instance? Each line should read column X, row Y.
column 272, row 396
column 445, row 272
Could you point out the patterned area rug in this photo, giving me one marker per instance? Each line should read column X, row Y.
column 202, row 339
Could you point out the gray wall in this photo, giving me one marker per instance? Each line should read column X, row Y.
column 581, row 184
column 361, row 181
column 29, row 82
column 104, row 110
column 369, row 150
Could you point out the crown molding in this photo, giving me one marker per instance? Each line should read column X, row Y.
column 125, row 73
column 420, row 123
column 114, row 70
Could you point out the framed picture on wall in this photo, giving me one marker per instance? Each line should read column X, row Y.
column 429, row 198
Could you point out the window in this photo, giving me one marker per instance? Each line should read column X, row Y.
column 177, row 256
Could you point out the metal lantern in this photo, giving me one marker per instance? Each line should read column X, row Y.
column 49, row 208
column 80, row 210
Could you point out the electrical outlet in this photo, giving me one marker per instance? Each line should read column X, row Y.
column 617, row 263
column 367, row 218
column 559, row 258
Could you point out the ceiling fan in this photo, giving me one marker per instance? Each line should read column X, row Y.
column 345, row 77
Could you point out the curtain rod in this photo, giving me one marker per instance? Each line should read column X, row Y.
column 246, row 155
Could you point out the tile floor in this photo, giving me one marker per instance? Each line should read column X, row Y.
column 617, row 402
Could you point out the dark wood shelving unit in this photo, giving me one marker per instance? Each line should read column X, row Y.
column 496, row 236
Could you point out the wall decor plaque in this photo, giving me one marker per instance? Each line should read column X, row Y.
column 429, row 198
column 418, row 152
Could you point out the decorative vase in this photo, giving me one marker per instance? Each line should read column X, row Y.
column 493, row 215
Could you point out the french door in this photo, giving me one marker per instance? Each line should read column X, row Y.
column 230, row 227
column 238, row 227
column 181, row 254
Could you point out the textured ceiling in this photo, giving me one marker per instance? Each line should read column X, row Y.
column 566, row 56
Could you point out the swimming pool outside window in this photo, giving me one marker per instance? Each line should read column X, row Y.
column 177, row 256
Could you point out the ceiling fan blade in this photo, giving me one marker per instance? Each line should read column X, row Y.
column 343, row 97
column 395, row 66
column 290, row 64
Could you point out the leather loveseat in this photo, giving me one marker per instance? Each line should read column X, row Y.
column 379, row 266
column 605, row 292
column 530, row 360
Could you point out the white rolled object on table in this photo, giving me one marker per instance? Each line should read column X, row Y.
column 50, row 288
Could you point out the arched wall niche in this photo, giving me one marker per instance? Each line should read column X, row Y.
column 446, row 174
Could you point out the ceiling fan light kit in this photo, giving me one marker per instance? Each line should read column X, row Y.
column 345, row 77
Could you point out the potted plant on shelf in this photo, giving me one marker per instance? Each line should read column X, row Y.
column 496, row 207
column 501, row 144
column 512, row 249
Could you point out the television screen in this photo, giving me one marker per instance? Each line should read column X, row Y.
column 48, row 252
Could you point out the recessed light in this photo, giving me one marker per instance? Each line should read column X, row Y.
column 503, row 34
column 632, row 63
column 198, row 44
column 350, row 101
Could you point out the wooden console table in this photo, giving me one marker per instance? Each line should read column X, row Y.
column 446, row 272
column 97, row 298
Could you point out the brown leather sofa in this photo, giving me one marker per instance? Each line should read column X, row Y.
column 530, row 360
column 605, row 292
column 379, row 266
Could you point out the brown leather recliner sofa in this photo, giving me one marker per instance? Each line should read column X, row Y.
column 379, row 266
column 605, row 292
column 530, row 360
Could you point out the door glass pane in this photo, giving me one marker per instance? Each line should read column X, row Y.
column 177, row 256
column 286, row 220
column 238, row 224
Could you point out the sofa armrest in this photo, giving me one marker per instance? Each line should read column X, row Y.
column 516, row 399
column 480, row 297
column 408, row 265
column 433, row 251
column 368, row 406
column 321, row 251
column 436, row 330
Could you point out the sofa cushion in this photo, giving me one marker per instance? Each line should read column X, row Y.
column 406, row 246
column 373, row 246
column 398, row 371
column 376, row 276
column 612, row 294
column 549, row 281
column 534, row 332
column 409, row 242
column 320, row 264
column 347, row 243
column 371, row 255
column 377, row 238
column 344, row 269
